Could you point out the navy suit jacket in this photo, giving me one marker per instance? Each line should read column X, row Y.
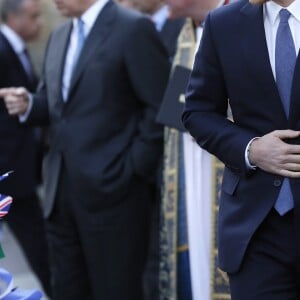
column 232, row 66
column 17, row 142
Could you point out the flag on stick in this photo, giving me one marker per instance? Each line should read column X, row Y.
column 5, row 175
column 5, row 202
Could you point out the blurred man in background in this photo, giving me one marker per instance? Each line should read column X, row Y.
column 19, row 144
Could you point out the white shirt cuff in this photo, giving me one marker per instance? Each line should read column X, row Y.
column 23, row 118
column 247, row 160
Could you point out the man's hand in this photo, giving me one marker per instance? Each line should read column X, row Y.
column 16, row 100
column 272, row 154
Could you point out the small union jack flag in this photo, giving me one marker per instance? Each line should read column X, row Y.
column 5, row 201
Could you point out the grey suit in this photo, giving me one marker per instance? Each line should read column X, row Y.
column 104, row 152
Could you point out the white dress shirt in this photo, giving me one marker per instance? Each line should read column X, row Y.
column 14, row 39
column 160, row 17
column 89, row 17
column 198, row 192
column 271, row 22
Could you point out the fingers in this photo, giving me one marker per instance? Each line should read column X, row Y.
column 272, row 154
column 286, row 165
column 292, row 167
column 16, row 100
column 286, row 134
column 288, row 137
column 6, row 92
column 289, row 174
column 12, row 91
column 20, row 91
column 12, row 104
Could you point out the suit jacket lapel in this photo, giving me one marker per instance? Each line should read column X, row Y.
column 257, row 56
column 54, row 66
column 95, row 40
column 16, row 62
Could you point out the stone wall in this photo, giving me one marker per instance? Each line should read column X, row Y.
column 51, row 19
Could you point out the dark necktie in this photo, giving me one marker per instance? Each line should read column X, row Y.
column 27, row 65
column 285, row 60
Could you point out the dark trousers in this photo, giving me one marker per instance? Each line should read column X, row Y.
column 151, row 274
column 26, row 221
column 97, row 253
column 270, row 269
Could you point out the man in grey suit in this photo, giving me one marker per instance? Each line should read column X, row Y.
column 100, row 104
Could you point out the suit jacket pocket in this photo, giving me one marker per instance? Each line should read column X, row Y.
column 230, row 181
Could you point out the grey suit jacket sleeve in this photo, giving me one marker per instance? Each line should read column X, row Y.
column 39, row 114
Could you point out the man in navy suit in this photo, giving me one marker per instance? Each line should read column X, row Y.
column 248, row 60
column 100, row 105
column 18, row 146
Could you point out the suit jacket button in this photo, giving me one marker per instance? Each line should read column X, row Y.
column 277, row 182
